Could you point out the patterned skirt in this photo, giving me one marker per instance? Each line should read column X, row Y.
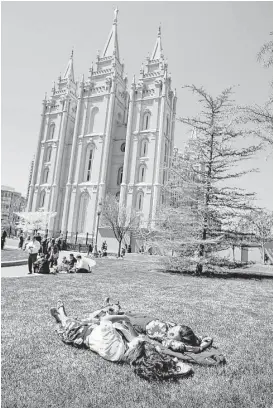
column 75, row 332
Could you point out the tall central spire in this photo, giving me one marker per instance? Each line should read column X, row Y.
column 111, row 47
column 158, row 50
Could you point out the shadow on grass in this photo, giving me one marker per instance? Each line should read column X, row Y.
column 219, row 275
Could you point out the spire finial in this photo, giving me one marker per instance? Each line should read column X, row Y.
column 159, row 30
column 72, row 53
column 116, row 15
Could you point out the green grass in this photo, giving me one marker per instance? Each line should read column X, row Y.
column 13, row 255
column 38, row 370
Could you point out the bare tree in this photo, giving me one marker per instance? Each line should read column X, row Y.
column 265, row 55
column 118, row 218
column 202, row 202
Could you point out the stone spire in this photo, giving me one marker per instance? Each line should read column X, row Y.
column 69, row 72
column 111, row 47
column 157, row 51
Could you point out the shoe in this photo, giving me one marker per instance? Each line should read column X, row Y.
column 30, row 273
column 183, row 370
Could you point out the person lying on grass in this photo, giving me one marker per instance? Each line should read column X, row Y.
column 176, row 337
column 114, row 338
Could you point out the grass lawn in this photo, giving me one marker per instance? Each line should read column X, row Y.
column 13, row 255
column 38, row 370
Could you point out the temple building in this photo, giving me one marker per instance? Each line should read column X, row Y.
column 103, row 135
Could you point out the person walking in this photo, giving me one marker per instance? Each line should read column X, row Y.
column 21, row 241
column 33, row 248
column 90, row 249
column 3, row 239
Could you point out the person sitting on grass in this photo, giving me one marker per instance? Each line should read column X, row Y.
column 115, row 339
column 64, row 265
column 82, row 265
column 71, row 263
column 41, row 265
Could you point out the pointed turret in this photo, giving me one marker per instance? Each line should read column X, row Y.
column 155, row 62
column 111, row 47
column 69, row 72
column 158, row 50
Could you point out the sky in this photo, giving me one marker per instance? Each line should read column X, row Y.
column 209, row 44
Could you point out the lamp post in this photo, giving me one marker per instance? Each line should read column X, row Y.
column 98, row 221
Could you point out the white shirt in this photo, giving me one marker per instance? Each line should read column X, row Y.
column 82, row 263
column 33, row 247
column 106, row 341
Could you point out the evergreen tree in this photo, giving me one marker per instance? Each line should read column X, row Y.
column 202, row 204
column 262, row 116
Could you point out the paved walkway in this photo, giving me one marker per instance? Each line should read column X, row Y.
column 16, row 272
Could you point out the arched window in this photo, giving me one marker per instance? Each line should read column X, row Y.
column 122, row 147
column 82, row 212
column 120, row 174
column 48, row 154
column 119, row 118
column 88, row 166
column 144, row 148
column 166, row 153
column 118, row 195
column 164, row 176
column 45, row 178
column 42, row 198
column 162, row 199
column 51, row 131
column 146, row 121
column 141, row 174
column 139, row 201
column 92, row 121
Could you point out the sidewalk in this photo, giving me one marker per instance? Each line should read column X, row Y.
column 16, row 272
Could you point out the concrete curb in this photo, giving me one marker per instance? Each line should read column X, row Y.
column 14, row 263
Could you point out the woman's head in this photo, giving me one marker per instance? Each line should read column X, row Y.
column 151, row 365
column 111, row 307
column 183, row 334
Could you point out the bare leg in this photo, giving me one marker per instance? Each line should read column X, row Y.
column 59, row 313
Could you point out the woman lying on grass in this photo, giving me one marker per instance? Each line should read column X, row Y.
column 177, row 340
column 176, row 337
column 114, row 338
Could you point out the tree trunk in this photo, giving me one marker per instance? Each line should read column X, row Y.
column 263, row 253
column 119, row 246
column 199, row 266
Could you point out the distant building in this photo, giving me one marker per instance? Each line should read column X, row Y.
column 103, row 135
column 11, row 202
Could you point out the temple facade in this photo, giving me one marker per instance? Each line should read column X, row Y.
column 104, row 136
